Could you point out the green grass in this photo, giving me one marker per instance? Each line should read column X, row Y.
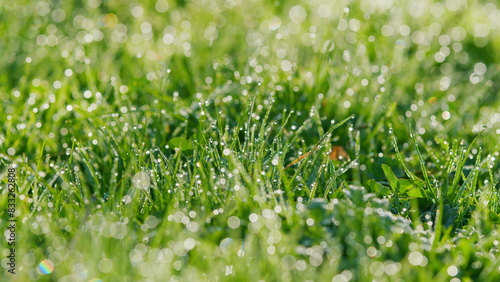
column 190, row 140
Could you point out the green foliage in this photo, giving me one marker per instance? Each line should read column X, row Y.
column 404, row 187
column 191, row 140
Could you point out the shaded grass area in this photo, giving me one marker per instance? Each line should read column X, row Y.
column 190, row 140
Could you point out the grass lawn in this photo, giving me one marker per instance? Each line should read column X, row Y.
column 257, row 140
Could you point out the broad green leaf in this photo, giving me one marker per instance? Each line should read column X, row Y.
column 411, row 188
column 374, row 187
column 391, row 178
column 181, row 143
column 405, row 187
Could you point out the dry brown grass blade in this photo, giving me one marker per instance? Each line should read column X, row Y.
column 316, row 147
column 339, row 153
column 299, row 158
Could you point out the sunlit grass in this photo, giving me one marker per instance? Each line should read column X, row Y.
column 190, row 140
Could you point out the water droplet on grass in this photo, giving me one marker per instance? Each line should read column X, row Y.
column 141, row 180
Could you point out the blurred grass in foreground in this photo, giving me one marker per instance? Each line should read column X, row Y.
column 151, row 139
